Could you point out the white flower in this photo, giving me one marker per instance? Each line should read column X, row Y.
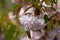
column 31, row 22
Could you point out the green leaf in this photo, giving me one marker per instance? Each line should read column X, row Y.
column 30, row 0
column 49, row 24
column 55, row 1
column 57, row 23
column 2, row 3
column 33, row 1
column 56, row 18
column 48, row 2
column 53, row 9
column 10, row 34
column 46, row 18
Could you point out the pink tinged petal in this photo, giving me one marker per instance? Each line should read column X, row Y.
column 31, row 10
column 23, row 9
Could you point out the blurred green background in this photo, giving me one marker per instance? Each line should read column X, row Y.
column 8, row 29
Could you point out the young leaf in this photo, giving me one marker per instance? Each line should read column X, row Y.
column 57, row 23
column 46, row 18
column 50, row 23
column 48, row 2
column 55, row 1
